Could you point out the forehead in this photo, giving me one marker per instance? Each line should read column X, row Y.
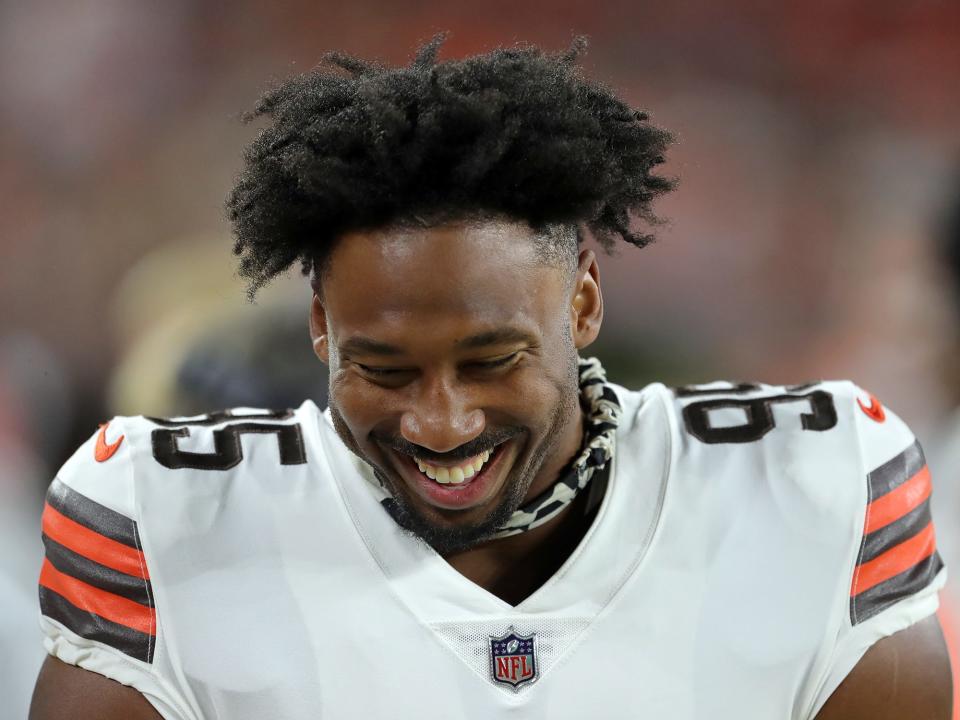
column 483, row 273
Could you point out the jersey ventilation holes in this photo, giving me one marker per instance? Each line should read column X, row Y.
column 94, row 578
column 898, row 555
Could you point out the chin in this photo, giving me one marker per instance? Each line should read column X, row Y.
column 448, row 531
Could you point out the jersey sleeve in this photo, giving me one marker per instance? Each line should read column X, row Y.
column 895, row 571
column 97, row 607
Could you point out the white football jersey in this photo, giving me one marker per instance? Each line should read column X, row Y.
column 753, row 542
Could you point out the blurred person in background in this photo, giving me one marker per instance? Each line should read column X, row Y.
column 531, row 533
column 19, row 503
column 35, row 410
column 202, row 349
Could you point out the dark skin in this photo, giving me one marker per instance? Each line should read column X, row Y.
column 439, row 395
column 471, row 279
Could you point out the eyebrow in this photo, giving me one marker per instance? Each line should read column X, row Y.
column 360, row 344
column 368, row 346
column 500, row 336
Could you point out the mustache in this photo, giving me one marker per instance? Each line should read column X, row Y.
column 485, row 441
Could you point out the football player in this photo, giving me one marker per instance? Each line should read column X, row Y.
column 480, row 524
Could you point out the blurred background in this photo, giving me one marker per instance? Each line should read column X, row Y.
column 819, row 159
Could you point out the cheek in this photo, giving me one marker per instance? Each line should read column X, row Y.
column 531, row 395
column 361, row 404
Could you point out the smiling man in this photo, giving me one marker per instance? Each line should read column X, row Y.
column 480, row 524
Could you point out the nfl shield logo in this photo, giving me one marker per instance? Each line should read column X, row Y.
column 513, row 658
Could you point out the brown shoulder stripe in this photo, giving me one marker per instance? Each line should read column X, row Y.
column 879, row 597
column 99, row 576
column 896, row 471
column 91, row 626
column 94, row 580
column 892, row 534
column 90, row 514
column 898, row 554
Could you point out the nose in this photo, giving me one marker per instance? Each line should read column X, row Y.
column 441, row 417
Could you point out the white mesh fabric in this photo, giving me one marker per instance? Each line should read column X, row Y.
column 470, row 641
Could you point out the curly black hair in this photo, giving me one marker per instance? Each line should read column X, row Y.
column 515, row 133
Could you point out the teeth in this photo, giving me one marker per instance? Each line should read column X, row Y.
column 454, row 475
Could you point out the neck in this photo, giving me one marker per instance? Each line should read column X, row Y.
column 514, row 567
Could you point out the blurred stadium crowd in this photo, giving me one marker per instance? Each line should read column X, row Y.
column 818, row 155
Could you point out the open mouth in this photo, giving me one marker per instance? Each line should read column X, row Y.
column 455, row 486
column 457, row 474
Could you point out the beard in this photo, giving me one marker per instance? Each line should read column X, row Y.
column 453, row 537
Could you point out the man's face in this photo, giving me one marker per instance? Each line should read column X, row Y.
column 453, row 369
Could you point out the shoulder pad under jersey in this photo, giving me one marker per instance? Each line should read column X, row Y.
column 95, row 579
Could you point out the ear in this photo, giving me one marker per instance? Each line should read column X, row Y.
column 318, row 330
column 586, row 305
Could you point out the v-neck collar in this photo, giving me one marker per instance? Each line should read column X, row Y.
column 605, row 557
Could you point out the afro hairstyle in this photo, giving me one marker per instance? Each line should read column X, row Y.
column 515, row 133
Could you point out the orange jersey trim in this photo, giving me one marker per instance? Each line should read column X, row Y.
column 104, row 450
column 92, row 545
column 894, row 561
column 99, row 602
column 898, row 502
column 875, row 411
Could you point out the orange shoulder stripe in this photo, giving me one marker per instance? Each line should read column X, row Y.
column 894, row 561
column 898, row 502
column 93, row 545
column 99, row 602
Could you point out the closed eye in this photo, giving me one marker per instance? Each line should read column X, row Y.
column 384, row 372
column 493, row 364
column 381, row 371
